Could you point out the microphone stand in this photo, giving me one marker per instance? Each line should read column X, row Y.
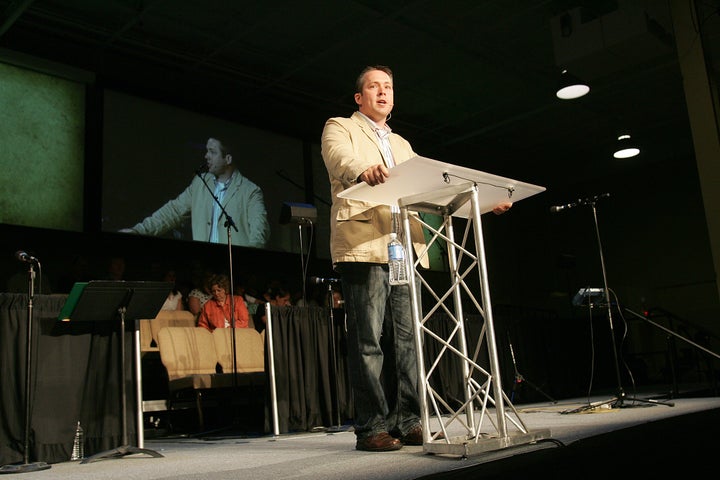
column 303, row 263
column 520, row 378
column 229, row 223
column 26, row 466
column 618, row 401
column 333, row 351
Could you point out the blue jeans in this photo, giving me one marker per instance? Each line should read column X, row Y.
column 382, row 363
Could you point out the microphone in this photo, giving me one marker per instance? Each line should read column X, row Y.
column 319, row 280
column 602, row 195
column 560, row 208
column 579, row 201
column 24, row 257
column 203, row 168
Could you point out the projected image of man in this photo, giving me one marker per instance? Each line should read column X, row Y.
column 241, row 198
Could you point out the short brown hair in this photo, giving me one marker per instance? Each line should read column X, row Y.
column 222, row 281
column 370, row 68
column 225, row 147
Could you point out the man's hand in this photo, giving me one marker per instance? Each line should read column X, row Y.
column 374, row 175
column 501, row 208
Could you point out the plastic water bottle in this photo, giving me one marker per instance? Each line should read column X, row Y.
column 78, row 449
column 397, row 261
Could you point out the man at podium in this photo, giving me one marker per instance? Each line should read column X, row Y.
column 382, row 361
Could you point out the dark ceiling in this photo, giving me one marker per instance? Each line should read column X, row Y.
column 475, row 79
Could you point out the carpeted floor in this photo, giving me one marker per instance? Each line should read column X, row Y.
column 645, row 441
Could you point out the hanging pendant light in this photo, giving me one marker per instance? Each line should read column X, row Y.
column 571, row 87
column 626, row 147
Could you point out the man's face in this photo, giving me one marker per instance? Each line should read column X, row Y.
column 377, row 98
column 217, row 162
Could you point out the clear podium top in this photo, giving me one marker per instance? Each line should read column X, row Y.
column 422, row 179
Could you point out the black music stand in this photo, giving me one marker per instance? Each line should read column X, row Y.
column 110, row 301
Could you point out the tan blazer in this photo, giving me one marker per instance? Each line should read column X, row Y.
column 360, row 231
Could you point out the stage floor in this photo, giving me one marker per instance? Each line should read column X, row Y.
column 647, row 439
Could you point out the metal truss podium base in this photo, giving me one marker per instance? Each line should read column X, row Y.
column 465, row 447
column 485, row 420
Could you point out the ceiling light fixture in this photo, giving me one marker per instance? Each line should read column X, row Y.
column 571, row 87
column 626, row 147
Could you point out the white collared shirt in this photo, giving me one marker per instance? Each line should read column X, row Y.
column 384, row 138
column 220, row 189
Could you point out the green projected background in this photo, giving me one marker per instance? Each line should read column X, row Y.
column 41, row 149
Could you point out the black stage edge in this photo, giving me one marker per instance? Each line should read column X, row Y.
column 652, row 450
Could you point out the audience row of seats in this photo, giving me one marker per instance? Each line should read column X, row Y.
column 199, row 363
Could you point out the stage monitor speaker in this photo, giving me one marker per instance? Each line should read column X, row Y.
column 297, row 213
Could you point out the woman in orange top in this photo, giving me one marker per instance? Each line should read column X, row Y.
column 216, row 311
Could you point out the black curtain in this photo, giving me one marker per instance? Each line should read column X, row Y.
column 308, row 393
column 75, row 377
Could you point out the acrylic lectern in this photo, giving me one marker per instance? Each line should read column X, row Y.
column 424, row 186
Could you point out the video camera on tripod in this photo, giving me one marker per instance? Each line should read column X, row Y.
column 589, row 296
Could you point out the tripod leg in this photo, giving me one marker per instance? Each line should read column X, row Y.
column 519, row 378
column 537, row 389
column 121, row 452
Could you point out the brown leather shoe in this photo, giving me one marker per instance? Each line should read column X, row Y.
column 415, row 436
column 381, row 442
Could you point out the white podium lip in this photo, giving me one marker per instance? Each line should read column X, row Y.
column 422, row 175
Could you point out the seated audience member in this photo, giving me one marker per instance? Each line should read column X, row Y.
column 241, row 289
column 216, row 313
column 200, row 294
column 174, row 300
column 115, row 269
column 277, row 295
